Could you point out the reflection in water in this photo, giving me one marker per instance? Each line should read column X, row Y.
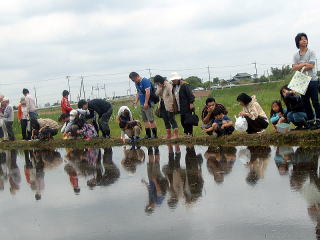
column 107, row 172
column 258, row 163
column 157, row 184
column 132, row 158
column 172, row 176
column 220, row 161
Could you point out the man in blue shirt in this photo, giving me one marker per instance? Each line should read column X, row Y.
column 143, row 86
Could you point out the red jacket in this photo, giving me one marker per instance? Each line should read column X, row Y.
column 65, row 105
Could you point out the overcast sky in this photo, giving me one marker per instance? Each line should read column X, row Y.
column 43, row 41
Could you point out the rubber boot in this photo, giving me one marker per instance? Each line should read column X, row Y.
column 168, row 136
column 175, row 133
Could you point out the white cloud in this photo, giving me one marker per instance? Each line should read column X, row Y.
column 55, row 38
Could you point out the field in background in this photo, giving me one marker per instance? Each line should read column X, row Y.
column 265, row 93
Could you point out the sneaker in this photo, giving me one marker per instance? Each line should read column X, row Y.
column 263, row 130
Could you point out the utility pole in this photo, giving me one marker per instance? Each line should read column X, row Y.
column 209, row 75
column 255, row 65
column 84, row 92
column 105, row 91
column 149, row 72
column 80, row 94
column 68, row 79
column 35, row 95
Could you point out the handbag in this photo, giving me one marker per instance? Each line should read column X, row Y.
column 192, row 119
column 300, row 82
column 157, row 111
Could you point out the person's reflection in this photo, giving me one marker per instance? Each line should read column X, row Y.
column 29, row 169
column 106, row 174
column 157, row 186
column 14, row 171
column 3, row 170
column 305, row 161
column 83, row 161
column 175, row 176
column 283, row 158
column 220, row 161
column 73, row 177
column 132, row 158
column 41, row 160
column 260, row 156
column 39, row 177
column 194, row 180
column 305, row 164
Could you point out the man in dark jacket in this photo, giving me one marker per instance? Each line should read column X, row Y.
column 185, row 100
column 104, row 111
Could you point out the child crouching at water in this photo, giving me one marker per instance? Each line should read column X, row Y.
column 222, row 124
column 277, row 113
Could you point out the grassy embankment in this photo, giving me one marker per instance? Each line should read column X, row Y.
column 265, row 94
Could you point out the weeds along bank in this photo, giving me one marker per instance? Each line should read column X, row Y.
column 265, row 92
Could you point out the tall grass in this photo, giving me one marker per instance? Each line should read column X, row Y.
column 265, row 93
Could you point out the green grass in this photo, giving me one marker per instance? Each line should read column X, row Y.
column 265, row 93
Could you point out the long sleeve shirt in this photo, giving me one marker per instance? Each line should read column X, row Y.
column 31, row 104
column 65, row 105
column 8, row 114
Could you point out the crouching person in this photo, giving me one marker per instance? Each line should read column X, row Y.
column 75, row 127
column 8, row 117
column 130, row 127
column 44, row 129
column 104, row 111
column 295, row 108
column 253, row 113
column 222, row 124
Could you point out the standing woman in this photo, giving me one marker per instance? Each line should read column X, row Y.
column 164, row 91
column 185, row 100
column 253, row 113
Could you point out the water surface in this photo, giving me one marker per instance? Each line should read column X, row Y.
column 166, row 192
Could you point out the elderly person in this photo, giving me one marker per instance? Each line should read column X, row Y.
column 253, row 113
column 164, row 91
column 185, row 99
column 4, row 134
column 8, row 117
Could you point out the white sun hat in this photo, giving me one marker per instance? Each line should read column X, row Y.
column 73, row 114
column 175, row 76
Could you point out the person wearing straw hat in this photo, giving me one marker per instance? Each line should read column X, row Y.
column 24, row 119
column 144, row 96
column 185, row 100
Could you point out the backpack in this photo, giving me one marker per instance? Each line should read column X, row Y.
column 153, row 97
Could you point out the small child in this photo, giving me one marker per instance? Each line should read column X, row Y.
column 277, row 113
column 23, row 118
column 222, row 124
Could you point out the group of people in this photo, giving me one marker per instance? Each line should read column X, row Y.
column 165, row 98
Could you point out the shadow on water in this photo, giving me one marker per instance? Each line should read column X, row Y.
column 259, row 192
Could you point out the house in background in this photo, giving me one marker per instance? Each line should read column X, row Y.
column 241, row 76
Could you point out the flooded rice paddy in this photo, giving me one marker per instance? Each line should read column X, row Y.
column 165, row 192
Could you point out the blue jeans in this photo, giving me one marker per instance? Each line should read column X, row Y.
column 312, row 93
column 296, row 117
